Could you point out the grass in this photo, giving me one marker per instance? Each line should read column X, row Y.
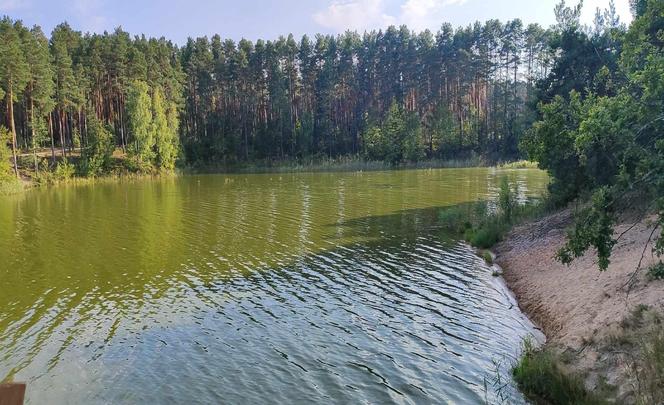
column 521, row 164
column 327, row 164
column 642, row 337
column 482, row 229
column 650, row 367
column 541, row 378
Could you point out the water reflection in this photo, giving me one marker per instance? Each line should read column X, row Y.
column 264, row 288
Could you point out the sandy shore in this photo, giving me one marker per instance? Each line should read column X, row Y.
column 579, row 307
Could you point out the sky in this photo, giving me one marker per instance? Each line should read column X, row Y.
column 268, row 19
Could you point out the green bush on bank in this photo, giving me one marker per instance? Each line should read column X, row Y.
column 541, row 378
column 484, row 229
column 9, row 184
column 487, row 234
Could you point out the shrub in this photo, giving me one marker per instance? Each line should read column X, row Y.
column 488, row 258
column 487, row 234
column 656, row 271
column 541, row 378
column 96, row 156
column 507, row 201
column 64, row 171
column 6, row 168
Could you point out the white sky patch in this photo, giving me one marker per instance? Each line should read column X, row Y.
column 422, row 14
column 11, row 5
column 342, row 15
column 590, row 6
column 354, row 15
column 89, row 15
column 360, row 15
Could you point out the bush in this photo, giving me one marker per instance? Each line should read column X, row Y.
column 64, row 171
column 540, row 377
column 656, row 272
column 96, row 157
column 456, row 219
column 6, row 168
column 507, row 199
column 488, row 233
column 137, row 166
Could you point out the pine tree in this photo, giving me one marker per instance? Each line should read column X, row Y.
column 62, row 41
column 40, row 88
column 14, row 74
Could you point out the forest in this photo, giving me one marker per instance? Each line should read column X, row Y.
column 391, row 95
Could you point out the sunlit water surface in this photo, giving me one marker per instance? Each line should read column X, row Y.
column 277, row 288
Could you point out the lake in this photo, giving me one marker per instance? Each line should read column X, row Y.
column 267, row 288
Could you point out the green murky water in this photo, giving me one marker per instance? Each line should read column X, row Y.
column 286, row 288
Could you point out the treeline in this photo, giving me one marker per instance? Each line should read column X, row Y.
column 452, row 92
column 600, row 131
column 390, row 95
column 448, row 94
column 88, row 94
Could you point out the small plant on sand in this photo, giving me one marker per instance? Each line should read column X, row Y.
column 487, row 256
column 644, row 328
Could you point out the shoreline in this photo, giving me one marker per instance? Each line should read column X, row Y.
column 27, row 181
column 584, row 312
column 25, row 185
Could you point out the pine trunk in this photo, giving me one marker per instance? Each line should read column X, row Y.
column 12, row 127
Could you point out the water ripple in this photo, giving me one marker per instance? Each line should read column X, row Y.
column 333, row 288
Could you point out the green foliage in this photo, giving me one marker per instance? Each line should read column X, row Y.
column 444, row 139
column 507, row 199
column 489, row 233
column 551, row 142
column 375, row 143
column 64, row 171
column 165, row 125
column 541, row 378
column 656, row 271
column 521, row 164
column 594, row 228
column 607, row 141
column 14, row 67
column 458, row 219
column 482, row 228
column 6, row 171
column 487, row 256
column 96, row 156
column 397, row 140
column 139, row 118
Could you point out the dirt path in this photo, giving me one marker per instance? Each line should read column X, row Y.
column 577, row 307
